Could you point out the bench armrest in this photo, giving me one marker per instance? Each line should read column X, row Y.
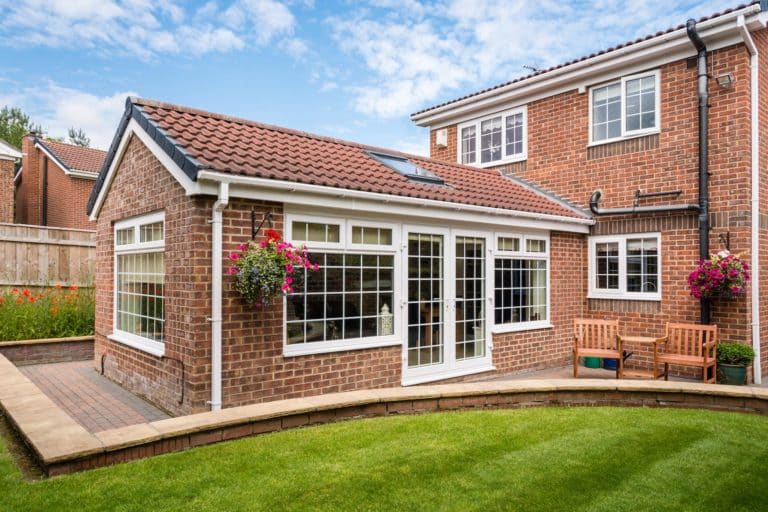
column 660, row 341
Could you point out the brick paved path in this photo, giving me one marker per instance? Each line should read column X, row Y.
column 90, row 399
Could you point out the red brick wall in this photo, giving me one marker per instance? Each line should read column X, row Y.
column 560, row 161
column 550, row 348
column 66, row 199
column 6, row 190
column 22, row 353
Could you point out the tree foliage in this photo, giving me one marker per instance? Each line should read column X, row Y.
column 15, row 124
column 78, row 137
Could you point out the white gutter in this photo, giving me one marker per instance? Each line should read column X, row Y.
column 755, row 200
column 216, row 277
column 290, row 186
column 573, row 74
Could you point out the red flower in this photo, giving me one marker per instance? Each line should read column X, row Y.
column 73, row 287
column 54, row 310
column 31, row 299
column 272, row 235
column 58, row 286
column 26, row 292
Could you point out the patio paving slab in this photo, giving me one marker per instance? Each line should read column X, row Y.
column 93, row 401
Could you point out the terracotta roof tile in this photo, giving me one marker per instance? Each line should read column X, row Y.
column 586, row 57
column 76, row 157
column 237, row 146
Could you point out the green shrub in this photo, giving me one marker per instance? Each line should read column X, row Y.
column 735, row 353
column 57, row 312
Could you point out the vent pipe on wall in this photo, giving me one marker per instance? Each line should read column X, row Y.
column 703, row 82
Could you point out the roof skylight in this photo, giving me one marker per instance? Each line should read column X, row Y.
column 404, row 166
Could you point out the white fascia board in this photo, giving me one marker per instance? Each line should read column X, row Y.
column 718, row 33
column 352, row 200
column 8, row 152
column 18, row 176
column 190, row 187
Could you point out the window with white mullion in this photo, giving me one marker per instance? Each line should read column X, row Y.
column 497, row 138
column 625, row 266
column 626, row 107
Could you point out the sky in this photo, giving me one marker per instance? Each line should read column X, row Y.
column 353, row 70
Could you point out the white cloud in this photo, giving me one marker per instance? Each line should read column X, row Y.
column 58, row 108
column 419, row 53
column 148, row 28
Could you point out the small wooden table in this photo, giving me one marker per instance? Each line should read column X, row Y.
column 643, row 340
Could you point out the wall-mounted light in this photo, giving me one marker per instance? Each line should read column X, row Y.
column 725, row 80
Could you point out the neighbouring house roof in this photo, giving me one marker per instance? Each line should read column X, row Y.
column 8, row 152
column 75, row 158
column 521, row 80
column 203, row 141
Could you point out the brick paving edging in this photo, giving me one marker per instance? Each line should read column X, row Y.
column 44, row 351
column 61, row 448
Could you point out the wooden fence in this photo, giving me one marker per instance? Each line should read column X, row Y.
column 41, row 256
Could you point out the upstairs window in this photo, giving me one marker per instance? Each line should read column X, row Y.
column 624, row 108
column 493, row 139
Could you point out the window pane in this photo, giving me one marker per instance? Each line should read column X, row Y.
column 521, row 290
column 490, row 140
column 316, row 232
column 641, row 103
column 642, row 265
column 607, row 266
column 606, row 112
column 140, row 298
column 151, row 232
column 468, row 145
column 350, row 297
column 508, row 244
column 536, row 246
column 125, row 236
column 514, row 134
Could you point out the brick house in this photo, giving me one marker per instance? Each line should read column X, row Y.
column 9, row 156
column 403, row 244
column 432, row 269
column 626, row 122
column 54, row 183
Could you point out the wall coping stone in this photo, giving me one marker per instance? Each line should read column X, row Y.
column 62, row 445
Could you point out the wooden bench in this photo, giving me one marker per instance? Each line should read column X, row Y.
column 687, row 345
column 596, row 338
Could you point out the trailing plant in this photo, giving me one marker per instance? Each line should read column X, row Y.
column 737, row 354
column 723, row 275
column 265, row 270
column 57, row 312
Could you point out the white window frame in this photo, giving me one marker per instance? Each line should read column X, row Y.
column 622, row 293
column 521, row 254
column 478, row 135
column 153, row 347
column 346, row 246
column 625, row 134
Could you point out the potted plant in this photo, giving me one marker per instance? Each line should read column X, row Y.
column 732, row 362
column 723, row 275
column 266, row 270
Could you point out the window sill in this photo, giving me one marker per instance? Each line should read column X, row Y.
column 497, row 163
column 307, row 349
column 154, row 348
column 635, row 135
column 528, row 326
column 644, row 297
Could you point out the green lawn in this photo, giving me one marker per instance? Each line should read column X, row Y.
column 537, row 459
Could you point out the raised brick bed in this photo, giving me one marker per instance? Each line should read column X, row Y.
column 55, row 350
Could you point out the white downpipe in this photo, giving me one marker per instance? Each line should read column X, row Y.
column 755, row 200
column 216, row 274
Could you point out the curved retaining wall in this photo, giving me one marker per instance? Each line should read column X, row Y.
column 62, row 446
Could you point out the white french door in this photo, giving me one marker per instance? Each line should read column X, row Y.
column 446, row 332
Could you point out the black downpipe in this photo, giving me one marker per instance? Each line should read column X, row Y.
column 703, row 82
column 44, row 220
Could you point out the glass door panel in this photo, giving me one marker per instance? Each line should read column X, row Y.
column 470, row 297
column 426, row 332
